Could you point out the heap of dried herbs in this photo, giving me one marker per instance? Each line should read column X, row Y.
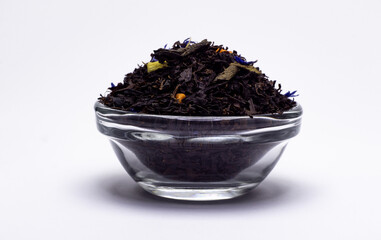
column 198, row 79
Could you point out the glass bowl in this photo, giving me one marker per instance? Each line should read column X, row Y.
column 197, row 158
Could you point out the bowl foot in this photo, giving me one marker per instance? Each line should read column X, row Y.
column 190, row 193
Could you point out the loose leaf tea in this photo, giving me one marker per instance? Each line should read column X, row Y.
column 198, row 79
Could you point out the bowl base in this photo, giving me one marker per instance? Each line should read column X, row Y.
column 189, row 193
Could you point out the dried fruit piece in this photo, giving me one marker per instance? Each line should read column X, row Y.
column 180, row 97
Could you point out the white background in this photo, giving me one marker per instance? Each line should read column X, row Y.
column 59, row 178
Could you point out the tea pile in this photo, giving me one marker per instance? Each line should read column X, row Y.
column 198, row 79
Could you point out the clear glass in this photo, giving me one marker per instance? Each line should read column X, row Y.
column 197, row 158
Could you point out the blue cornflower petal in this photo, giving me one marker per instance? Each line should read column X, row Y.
column 154, row 59
column 186, row 41
column 241, row 61
column 112, row 85
column 291, row 94
column 238, row 60
column 165, row 46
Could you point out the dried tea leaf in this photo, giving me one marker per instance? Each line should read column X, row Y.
column 186, row 75
column 247, row 67
column 228, row 73
column 195, row 47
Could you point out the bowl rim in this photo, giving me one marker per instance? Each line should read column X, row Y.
column 295, row 112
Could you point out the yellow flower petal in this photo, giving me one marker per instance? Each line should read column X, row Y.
column 153, row 66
